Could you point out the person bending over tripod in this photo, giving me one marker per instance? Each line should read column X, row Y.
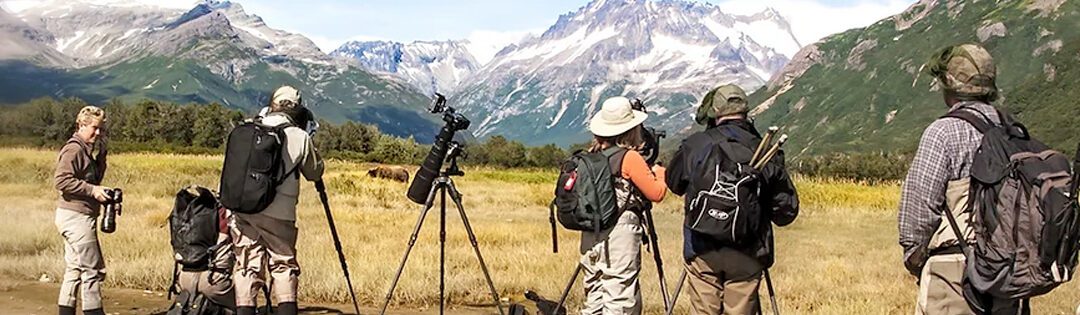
column 271, row 234
column 611, row 258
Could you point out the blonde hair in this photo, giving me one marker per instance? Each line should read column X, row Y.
column 88, row 113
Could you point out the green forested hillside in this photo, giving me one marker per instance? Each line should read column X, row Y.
column 862, row 90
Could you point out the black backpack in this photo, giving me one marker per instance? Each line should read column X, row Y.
column 193, row 234
column 193, row 228
column 724, row 197
column 253, row 166
column 1024, row 214
column 585, row 192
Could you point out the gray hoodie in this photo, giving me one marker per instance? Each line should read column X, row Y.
column 298, row 149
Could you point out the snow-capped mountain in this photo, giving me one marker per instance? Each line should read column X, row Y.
column 99, row 31
column 20, row 41
column 212, row 51
column 431, row 66
column 668, row 53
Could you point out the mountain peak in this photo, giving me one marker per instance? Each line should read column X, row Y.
column 430, row 66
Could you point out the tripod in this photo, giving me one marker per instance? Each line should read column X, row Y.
column 442, row 186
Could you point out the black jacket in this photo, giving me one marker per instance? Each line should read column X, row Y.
column 778, row 197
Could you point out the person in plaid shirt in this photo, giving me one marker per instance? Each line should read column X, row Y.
column 938, row 182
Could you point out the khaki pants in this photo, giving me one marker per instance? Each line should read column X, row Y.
column 84, row 266
column 724, row 282
column 260, row 240
column 941, row 289
column 216, row 286
column 613, row 288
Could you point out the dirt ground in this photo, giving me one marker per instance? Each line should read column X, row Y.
column 31, row 297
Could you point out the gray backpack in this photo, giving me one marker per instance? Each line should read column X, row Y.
column 585, row 191
column 1024, row 215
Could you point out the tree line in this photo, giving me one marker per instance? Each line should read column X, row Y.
column 163, row 127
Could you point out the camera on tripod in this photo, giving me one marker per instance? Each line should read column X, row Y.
column 113, row 207
column 651, row 149
column 431, row 181
column 444, row 144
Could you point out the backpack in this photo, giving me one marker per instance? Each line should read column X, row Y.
column 585, row 196
column 193, row 228
column 724, row 200
column 1024, row 214
column 194, row 303
column 253, row 166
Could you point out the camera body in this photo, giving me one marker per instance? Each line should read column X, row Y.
column 113, row 207
column 454, row 121
column 651, row 149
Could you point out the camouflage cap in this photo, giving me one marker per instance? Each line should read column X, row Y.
column 721, row 101
column 967, row 70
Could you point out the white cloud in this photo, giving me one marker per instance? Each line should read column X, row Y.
column 811, row 20
column 483, row 45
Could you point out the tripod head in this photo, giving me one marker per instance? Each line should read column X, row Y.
column 455, row 150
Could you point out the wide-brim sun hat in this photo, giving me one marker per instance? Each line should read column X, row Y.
column 615, row 117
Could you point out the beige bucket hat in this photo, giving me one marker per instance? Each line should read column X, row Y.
column 615, row 117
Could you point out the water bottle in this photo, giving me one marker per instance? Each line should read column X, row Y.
column 112, row 207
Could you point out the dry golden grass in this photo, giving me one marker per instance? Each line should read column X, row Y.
column 839, row 257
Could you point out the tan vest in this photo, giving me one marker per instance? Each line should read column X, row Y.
column 956, row 199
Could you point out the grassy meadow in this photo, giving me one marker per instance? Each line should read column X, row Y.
column 839, row 257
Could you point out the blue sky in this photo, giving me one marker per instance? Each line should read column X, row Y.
column 331, row 22
column 492, row 24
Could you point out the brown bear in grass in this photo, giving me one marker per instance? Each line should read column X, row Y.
column 396, row 173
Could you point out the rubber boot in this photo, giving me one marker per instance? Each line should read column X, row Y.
column 287, row 308
column 67, row 310
column 245, row 310
column 96, row 311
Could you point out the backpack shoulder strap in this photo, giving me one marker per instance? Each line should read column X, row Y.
column 718, row 136
column 615, row 156
column 981, row 121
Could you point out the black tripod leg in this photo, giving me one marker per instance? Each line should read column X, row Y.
column 566, row 291
column 321, row 188
column 456, row 196
column 678, row 289
column 412, row 241
column 654, row 241
column 772, row 294
column 442, row 247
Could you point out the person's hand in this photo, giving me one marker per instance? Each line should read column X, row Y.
column 656, row 169
column 99, row 193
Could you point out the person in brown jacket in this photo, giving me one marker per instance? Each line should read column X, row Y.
column 79, row 171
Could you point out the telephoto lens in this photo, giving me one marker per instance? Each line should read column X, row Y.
column 112, row 208
column 425, row 176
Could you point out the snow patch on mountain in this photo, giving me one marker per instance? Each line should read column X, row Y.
column 430, row 66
